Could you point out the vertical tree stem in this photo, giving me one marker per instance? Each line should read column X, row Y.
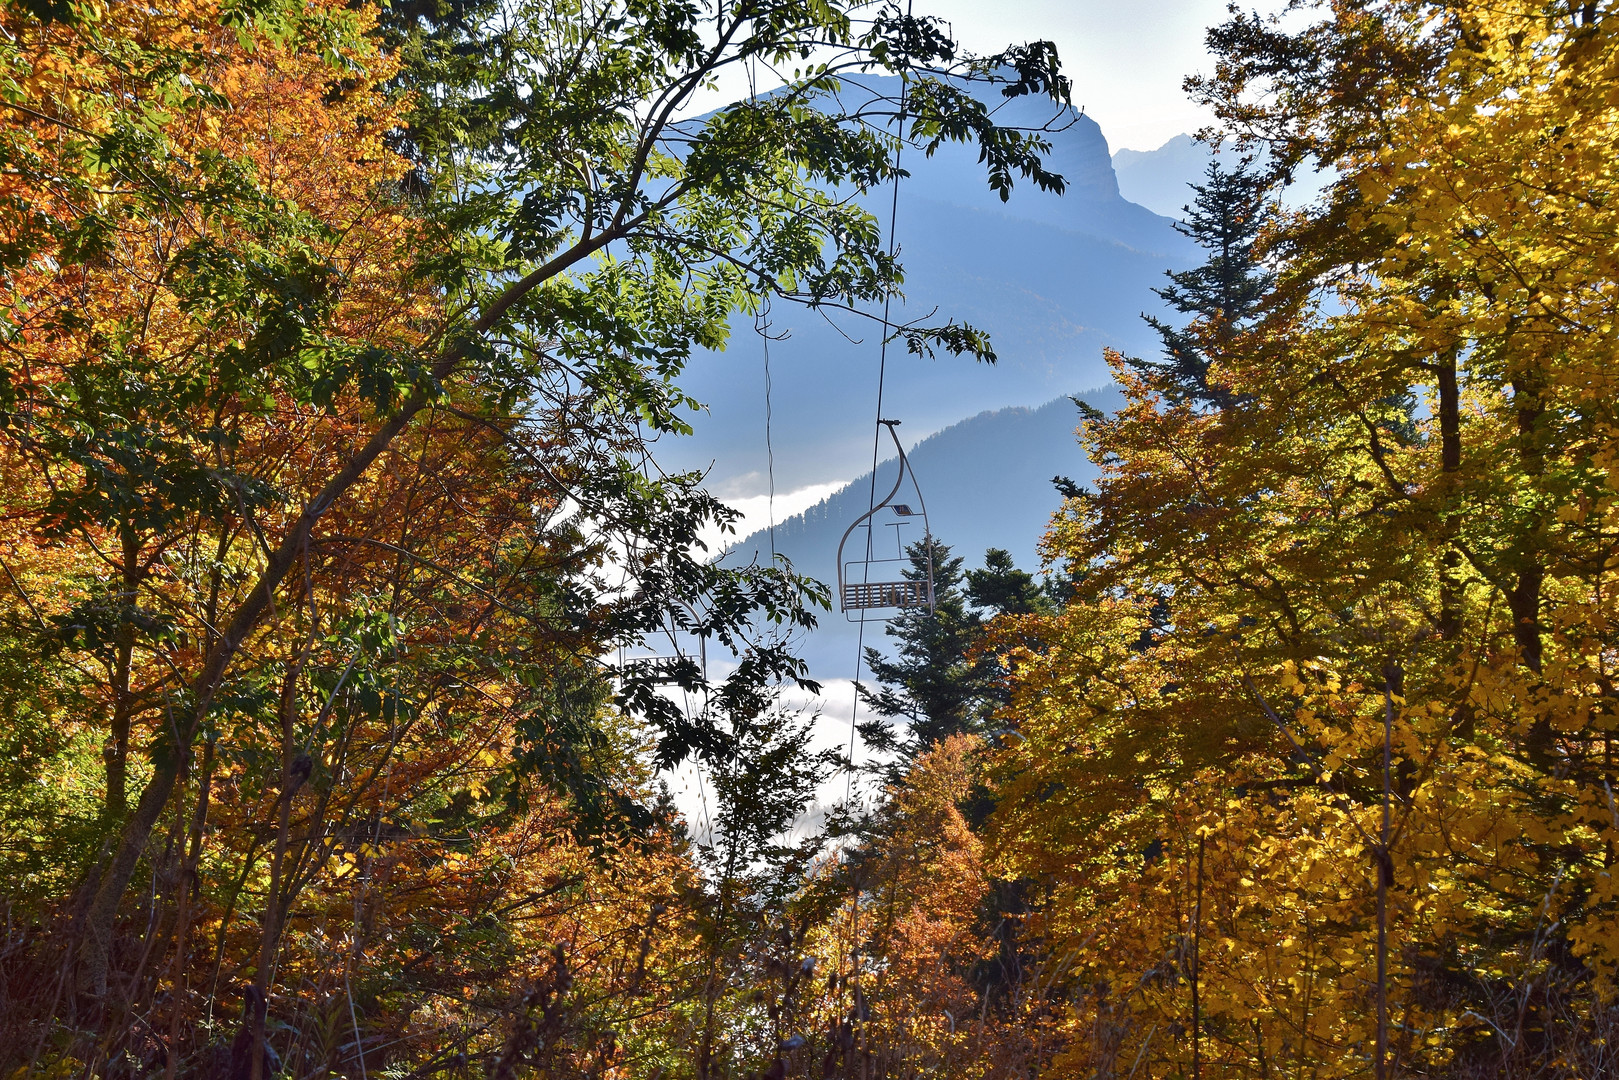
column 182, row 919
column 270, row 936
column 1197, row 967
column 1450, row 464
column 1384, row 872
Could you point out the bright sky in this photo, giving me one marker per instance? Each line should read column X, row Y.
column 1126, row 57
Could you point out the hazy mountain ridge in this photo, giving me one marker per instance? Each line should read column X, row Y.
column 1160, row 179
column 1053, row 279
column 987, row 483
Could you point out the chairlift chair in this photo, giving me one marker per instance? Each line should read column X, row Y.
column 869, row 587
column 661, row 666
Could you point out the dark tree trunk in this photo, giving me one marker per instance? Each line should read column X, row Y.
column 1450, row 465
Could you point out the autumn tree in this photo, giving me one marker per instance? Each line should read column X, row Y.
column 332, row 356
column 1316, row 770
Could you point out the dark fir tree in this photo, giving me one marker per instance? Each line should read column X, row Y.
column 1225, row 218
column 1000, row 588
column 937, row 685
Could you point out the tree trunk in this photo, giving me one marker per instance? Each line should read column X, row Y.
column 1385, row 877
column 1197, row 967
column 1524, row 599
column 182, row 921
column 1450, row 465
column 294, row 770
column 116, row 752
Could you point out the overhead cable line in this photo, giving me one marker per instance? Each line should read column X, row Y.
column 877, row 432
column 762, row 324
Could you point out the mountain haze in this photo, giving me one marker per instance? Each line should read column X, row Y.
column 1161, row 179
column 1053, row 279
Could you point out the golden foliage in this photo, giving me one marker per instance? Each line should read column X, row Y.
column 1265, row 587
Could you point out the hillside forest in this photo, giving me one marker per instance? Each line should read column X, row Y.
column 338, row 340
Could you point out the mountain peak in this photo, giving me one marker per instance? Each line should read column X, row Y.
column 1055, row 279
column 1160, row 179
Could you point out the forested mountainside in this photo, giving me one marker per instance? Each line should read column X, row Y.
column 987, row 482
column 340, row 349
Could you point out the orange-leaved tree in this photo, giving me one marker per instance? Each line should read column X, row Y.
column 335, row 340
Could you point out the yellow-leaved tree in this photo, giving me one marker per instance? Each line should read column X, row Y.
column 1316, row 769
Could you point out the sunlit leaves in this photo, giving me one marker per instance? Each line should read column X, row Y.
column 1392, row 519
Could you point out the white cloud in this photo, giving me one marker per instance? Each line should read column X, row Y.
column 759, row 510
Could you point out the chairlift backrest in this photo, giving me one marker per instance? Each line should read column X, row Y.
column 660, row 668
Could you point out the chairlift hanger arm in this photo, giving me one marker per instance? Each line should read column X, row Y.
column 899, row 478
column 927, row 531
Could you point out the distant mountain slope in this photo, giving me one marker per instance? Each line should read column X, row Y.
column 987, row 482
column 1053, row 279
column 1161, row 179
column 1158, row 179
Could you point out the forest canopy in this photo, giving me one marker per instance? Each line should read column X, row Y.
column 337, row 341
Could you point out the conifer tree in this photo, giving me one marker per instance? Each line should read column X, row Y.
column 1002, row 589
column 939, row 682
column 1225, row 219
